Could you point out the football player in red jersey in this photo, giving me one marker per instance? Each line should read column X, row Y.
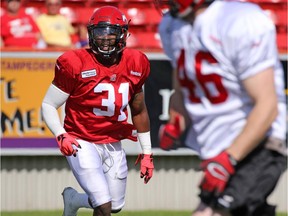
column 97, row 85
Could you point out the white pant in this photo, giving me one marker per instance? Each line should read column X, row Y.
column 101, row 170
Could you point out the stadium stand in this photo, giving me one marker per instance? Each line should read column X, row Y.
column 70, row 13
column 145, row 18
column 133, row 41
column 75, row 3
column 138, row 3
column 281, row 18
column 153, row 18
column 34, row 3
column 32, row 11
column 144, row 40
column 136, row 16
column 282, row 42
column 100, row 3
column 83, row 13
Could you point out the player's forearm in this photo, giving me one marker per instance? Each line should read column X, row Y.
column 176, row 103
column 53, row 99
column 52, row 120
column 177, row 108
column 258, row 122
column 139, row 113
column 141, row 122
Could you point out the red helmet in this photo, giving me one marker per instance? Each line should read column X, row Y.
column 181, row 8
column 107, row 31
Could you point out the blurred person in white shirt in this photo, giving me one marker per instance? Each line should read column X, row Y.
column 230, row 81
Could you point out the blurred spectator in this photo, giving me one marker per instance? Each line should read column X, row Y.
column 82, row 35
column 55, row 28
column 19, row 29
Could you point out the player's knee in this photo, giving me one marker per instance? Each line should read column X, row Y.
column 114, row 211
column 117, row 206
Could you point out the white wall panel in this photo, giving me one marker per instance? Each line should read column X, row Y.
column 36, row 183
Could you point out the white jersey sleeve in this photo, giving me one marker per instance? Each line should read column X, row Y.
column 53, row 99
column 168, row 28
column 252, row 48
column 164, row 30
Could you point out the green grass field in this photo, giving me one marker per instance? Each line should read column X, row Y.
column 124, row 213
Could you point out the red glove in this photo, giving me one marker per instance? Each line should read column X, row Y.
column 217, row 172
column 65, row 142
column 146, row 166
column 169, row 133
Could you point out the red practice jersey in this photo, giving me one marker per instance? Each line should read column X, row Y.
column 96, row 109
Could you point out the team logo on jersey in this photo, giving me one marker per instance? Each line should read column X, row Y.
column 135, row 73
column 88, row 73
column 113, row 78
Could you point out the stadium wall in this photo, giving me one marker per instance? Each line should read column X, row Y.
column 36, row 183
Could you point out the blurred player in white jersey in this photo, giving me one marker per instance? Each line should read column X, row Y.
column 97, row 85
column 231, row 82
column 171, row 132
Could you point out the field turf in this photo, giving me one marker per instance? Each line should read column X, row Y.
column 124, row 213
